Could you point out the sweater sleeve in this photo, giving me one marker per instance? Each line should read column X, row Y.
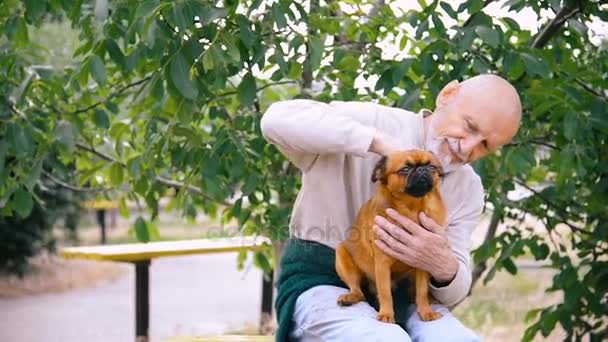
column 459, row 232
column 304, row 129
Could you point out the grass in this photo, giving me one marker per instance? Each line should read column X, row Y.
column 496, row 311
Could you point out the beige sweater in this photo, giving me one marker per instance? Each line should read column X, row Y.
column 329, row 143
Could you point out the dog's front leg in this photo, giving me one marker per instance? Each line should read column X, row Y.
column 423, row 307
column 382, row 270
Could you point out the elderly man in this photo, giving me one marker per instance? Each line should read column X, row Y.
column 336, row 146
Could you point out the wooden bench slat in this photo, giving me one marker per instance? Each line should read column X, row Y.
column 225, row 338
column 146, row 251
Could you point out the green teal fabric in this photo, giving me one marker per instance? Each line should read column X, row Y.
column 306, row 264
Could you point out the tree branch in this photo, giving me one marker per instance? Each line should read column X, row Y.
column 536, row 141
column 307, row 72
column 490, row 233
column 162, row 180
column 113, row 94
column 554, row 25
column 260, row 88
column 73, row 187
column 591, row 90
column 99, row 154
column 556, row 207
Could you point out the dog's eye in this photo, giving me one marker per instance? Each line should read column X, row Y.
column 432, row 168
column 404, row 170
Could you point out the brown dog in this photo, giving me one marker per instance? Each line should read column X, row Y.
column 410, row 185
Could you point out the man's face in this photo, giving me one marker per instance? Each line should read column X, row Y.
column 465, row 128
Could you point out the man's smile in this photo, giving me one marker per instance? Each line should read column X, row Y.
column 455, row 156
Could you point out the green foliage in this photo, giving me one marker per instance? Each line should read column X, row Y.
column 165, row 94
column 29, row 231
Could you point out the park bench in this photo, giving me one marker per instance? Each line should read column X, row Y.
column 141, row 254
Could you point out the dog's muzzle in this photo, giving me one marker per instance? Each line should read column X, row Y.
column 419, row 182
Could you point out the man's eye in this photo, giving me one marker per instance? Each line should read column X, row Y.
column 469, row 126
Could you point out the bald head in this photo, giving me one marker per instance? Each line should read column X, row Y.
column 473, row 118
column 492, row 92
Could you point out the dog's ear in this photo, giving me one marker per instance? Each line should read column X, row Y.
column 380, row 170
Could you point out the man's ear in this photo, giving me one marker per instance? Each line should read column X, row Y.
column 380, row 171
column 447, row 93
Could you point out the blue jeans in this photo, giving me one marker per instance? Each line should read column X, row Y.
column 317, row 317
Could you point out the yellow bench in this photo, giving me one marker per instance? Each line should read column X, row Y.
column 141, row 254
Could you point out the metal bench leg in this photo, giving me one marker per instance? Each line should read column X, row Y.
column 267, row 291
column 142, row 300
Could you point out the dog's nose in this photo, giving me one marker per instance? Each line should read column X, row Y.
column 419, row 170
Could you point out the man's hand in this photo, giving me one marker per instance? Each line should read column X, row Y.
column 425, row 247
column 383, row 144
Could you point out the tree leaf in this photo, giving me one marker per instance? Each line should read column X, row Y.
column 474, row 6
column 153, row 231
column 22, row 203
column 509, row 266
column 65, row 134
column 146, row 8
column 316, row 52
column 438, row 24
column 278, row 16
column 261, row 261
column 247, row 90
column 98, row 70
column 115, row 53
column 33, row 176
column 449, row 10
column 123, row 209
column 101, row 119
column 141, row 230
column 16, row 31
column 178, row 16
column 211, row 13
column 20, row 139
column 570, row 126
column 180, row 75
column 250, row 184
column 534, row 66
column 3, row 148
column 488, row 35
column 116, row 174
column 34, row 10
column 208, row 62
column 513, row 25
column 231, row 49
column 513, row 65
column 247, row 36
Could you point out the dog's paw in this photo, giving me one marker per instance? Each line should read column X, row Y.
column 428, row 315
column 350, row 299
column 386, row 317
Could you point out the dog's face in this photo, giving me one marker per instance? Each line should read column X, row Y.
column 414, row 172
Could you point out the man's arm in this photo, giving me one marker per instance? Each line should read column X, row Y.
column 459, row 234
column 304, row 129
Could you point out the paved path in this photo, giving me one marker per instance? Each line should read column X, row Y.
column 188, row 295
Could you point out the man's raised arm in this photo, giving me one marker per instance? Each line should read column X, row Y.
column 304, row 129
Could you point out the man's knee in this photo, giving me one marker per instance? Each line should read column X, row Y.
column 447, row 328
